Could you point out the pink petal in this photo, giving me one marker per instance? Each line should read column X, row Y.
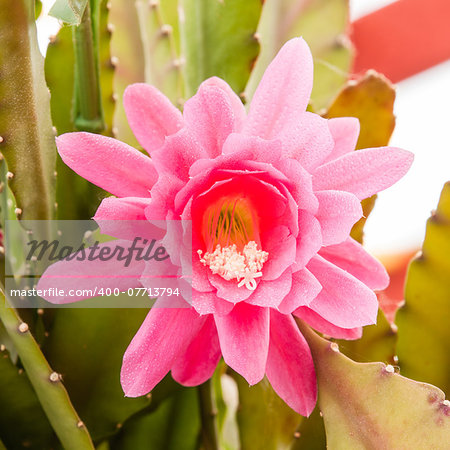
column 305, row 288
column 309, row 239
column 125, row 218
column 240, row 147
column 210, row 117
column 338, row 212
column 281, row 246
column 364, row 172
column 163, row 196
column 244, row 340
column 345, row 132
column 198, row 362
column 344, row 300
column 89, row 276
column 228, row 290
column 290, row 368
column 178, row 154
column 325, row 327
column 108, row 163
column 283, row 93
column 127, row 208
column 210, row 303
column 151, row 115
column 164, row 335
column 271, row 293
column 238, row 108
column 200, row 280
column 308, row 140
column 299, row 184
column 351, row 256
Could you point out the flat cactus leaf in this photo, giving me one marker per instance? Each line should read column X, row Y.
column 376, row 344
column 218, row 39
column 370, row 406
column 162, row 64
column 174, row 425
column 323, row 24
column 310, row 435
column 264, row 420
column 18, row 429
column 69, row 11
column 91, row 364
column 423, row 345
column 371, row 100
column 128, row 55
column 27, row 144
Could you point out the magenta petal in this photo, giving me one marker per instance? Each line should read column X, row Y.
column 345, row 132
column 308, row 140
column 198, row 362
column 364, row 172
column 89, row 276
column 244, row 340
column 108, row 163
column 210, row 117
column 305, row 288
column 351, row 256
column 338, row 212
column 151, row 115
column 290, row 368
column 344, row 300
column 162, row 338
column 283, row 93
column 325, row 327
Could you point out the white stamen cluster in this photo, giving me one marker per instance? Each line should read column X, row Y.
column 231, row 264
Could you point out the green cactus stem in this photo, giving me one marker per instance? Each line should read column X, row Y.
column 88, row 111
column 208, row 414
column 26, row 135
column 47, row 383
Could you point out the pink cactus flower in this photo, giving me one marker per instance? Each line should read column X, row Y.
column 272, row 196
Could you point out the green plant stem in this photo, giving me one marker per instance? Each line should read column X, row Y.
column 52, row 394
column 208, row 416
column 88, row 114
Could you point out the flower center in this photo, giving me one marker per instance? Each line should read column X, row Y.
column 230, row 233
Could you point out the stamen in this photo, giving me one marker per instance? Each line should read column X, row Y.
column 231, row 264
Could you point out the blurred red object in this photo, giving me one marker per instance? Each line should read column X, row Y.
column 393, row 296
column 402, row 39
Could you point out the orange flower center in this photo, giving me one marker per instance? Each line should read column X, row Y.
column 230, row 233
